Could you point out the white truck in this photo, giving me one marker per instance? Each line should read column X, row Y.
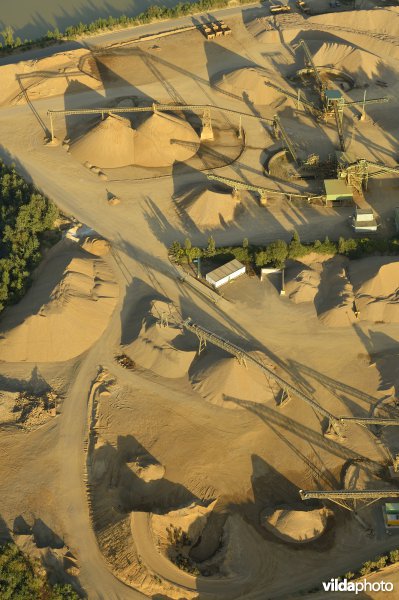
column 364, row 221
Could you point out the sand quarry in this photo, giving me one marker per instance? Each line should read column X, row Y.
column 135, row 461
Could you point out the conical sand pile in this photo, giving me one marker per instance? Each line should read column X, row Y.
column 251, row 82
column 164, row 139
column 210, row 209
column 110, row 144
column 220, row 379
column 161, row 349
column 296, row 525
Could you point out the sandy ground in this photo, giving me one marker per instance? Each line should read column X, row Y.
column 130, row 446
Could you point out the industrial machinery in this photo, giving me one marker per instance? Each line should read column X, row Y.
column 341, row 497
column 262, row 191
column 357, row 172
column 332, row 101
column 280, row 132
column 244, row 358
column 205, row 109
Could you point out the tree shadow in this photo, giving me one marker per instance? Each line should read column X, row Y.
column 5, row 534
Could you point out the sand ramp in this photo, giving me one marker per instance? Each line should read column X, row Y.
column 65, row 311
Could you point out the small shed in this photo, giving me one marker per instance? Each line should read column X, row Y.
column 391, row 514
column 337, row 190
column 364, row 221
column 225, row 273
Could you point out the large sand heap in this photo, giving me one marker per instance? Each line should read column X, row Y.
column 361, row 65
column 110, row 144
column 161, row 141
column 323, row 282
column 220, row 379
column 296, row 525
column 45, row 77
column 303, row 286
column 189, row 520
column 334, row 303
column 376, row 284
column 251, row 81
column 163, row 350
column 64, row 312
column 210, row 209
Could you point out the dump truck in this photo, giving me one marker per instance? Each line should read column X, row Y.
column 208, row 32
column 225, row 28
column 277, row 9
column 303, row 6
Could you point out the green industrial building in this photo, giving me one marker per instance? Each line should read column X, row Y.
column 337, row 190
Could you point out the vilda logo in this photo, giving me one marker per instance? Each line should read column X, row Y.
column 338, row 585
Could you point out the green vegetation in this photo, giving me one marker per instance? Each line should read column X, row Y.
column 23, row 579
column 153, row 13
column 24, row 217
column 277, row 253
column 177, row 539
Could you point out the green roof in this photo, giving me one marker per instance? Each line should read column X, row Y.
column 333, row 94
column 337, row 188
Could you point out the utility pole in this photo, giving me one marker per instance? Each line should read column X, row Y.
column 363, row 115
column 282, row 291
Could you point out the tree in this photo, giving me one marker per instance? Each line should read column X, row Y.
column 24, row 216
column 245, row 243
column 261, row 258
column 211, row 247
column 295, row 248
column 187, row 249
column 22, row 579
column 8, row 36
column 176, row 251
column 277, row 253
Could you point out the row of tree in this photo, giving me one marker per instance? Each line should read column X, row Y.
column 25, row 215
column 153, row 13
column 278, row 252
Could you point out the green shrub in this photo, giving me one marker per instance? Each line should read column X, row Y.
column 21, row 579
column 295, row 248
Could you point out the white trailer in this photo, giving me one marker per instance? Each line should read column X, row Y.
column 363, row 221
column 225, row 273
